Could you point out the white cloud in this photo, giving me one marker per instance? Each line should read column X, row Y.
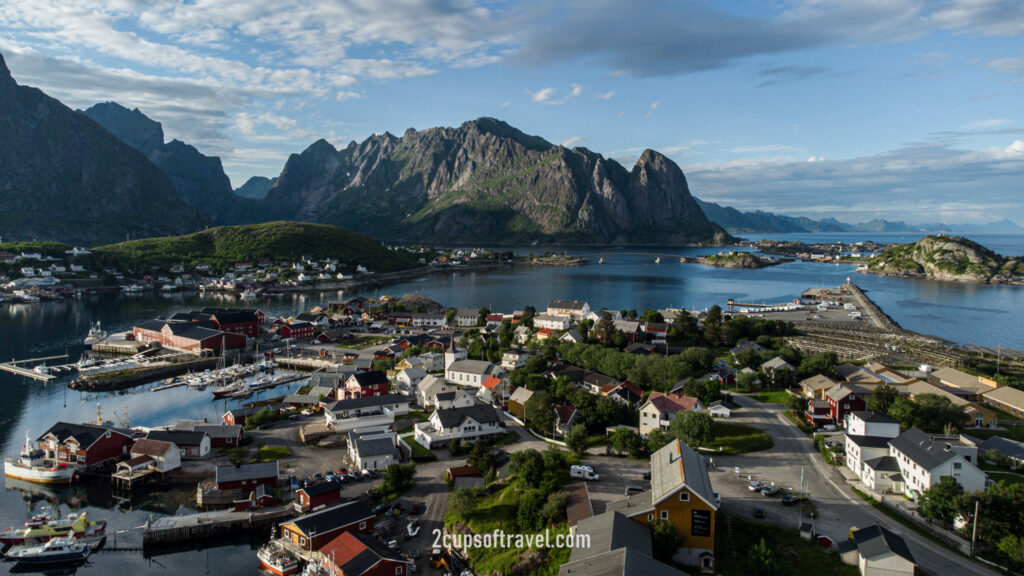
column 542, row 95
column 570, row 142
column 650, row 109
column 604, row 95
column 348, row 95
column 547, row 95
column 761, row 148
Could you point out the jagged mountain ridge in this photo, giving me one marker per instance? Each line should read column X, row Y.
column 64, row 177
column 198, row 178
column 486, row 181
column 256, row 187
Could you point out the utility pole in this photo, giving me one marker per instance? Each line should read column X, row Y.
column 974, row 530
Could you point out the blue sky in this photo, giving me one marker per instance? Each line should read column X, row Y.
column 897, row 109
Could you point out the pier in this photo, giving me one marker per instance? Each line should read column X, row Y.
column 14, row 368
column 205, row 525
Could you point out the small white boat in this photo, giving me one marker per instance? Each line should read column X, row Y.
column 54, row 551
column 41, row 369
column 657, row 260
column 600, row 260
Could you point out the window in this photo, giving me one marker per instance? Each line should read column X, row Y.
column 664, row 514
column 956, row 465
column 684, row 496
column 362, row 525
column 650, row 517
column 398, row 569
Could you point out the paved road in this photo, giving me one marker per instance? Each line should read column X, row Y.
column 838, row 508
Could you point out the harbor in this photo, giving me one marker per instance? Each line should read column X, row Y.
column 206, row 526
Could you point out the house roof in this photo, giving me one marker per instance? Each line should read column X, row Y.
column 676, row 465
column 299, row 325
column 632, row 505
column 417, row 373
column 375, row 445
column 819, row 382
column 212, row 429
column 883, row 464
column 1007, row 395
column 611, row 531
column 854, row 373
column 521, row 396
column 596, row 379
column 875, row 541
column 571, row 373
column 549, row 318
column 371, row 378
column 567, row 304
column 254, row 471
column 333, row 518
column 957, row 379
column 480, row 367
column 627, row 326
column 619, row 562
column 747, row 345
column 320, row 488
column 463, row 472
column 180, row 437
column 579, row 506
column 355, row 554
column 491, row 382
column 367, row 402
column 868, row 416
column 921, row 448
column 564, row 412
column 869, row 441
column 672, row 403
column 777, row 363
column 838, row 392
column 482, row 413
column 1005, row 446
column 85, row 434
column 147, row 447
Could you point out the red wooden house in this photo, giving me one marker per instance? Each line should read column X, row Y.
column 818, row 413
column 298, row 330
column 84, row 444
column 842, row 400
column 313, row 531
column 318, row 496
column 364, row 384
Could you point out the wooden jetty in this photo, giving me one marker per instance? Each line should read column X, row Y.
column 206, row 525
column 174, row 384
column 14, row 367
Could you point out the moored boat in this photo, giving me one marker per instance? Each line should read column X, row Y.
column 32, row 467
column 277, row 560
column 74, row 526
column 54, row 551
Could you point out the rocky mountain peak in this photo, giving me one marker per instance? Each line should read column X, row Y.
column 501, row 129
column 132, row 126
column 5, row 73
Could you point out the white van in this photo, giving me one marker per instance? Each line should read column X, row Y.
column 584, row 472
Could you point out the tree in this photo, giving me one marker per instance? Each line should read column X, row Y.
column 761, row 560
column 1012, row 546
column 605, row 330
column 713, row 326
column 824, row 363
column 449, row 316
column 940, row 501
column 694, row 428
column 929, row 412
column 463, row 501
column 657, row 439
column 481, row 315
column 576, row 439
column 623, row 440
column 528, row 518
column 528, row 465
column 883, row 399
column 554, row 459
column 554, row 508
column 528, row 313
column 652, row 316
column 540, row 412
column 797, row 404
column 664, row 540
column 745, row 381
column 683, row 329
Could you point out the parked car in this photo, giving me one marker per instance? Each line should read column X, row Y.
column 646, row 476
column 294, row 482
column 758, row 512
column 633, row 490
column 756, row 486
column 771, row 491
column 584, row 472
column 718, row 499
column 381, row 508
column 790, row 499
column 415, row 509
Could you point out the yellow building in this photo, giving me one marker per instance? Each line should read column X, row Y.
column 680, row 494
column 408, row 363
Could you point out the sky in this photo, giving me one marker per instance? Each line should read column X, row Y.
column 859, row 109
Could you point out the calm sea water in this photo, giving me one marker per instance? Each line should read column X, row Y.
column 629, row 278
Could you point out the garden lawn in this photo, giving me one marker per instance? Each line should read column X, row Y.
column 1008, row 477
column 738, row 439
column 419, row 453
column 772, row 396
column 790, row 554
column 271, row 453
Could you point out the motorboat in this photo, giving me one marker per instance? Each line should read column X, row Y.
column 31, row 465
column 276, row 559
column 77, row 526
column 54, row 551
column 96, row 334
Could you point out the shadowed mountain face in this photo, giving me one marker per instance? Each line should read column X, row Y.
column 487, row 182
column 199, row 179
column 64, row 177
column 256, row 187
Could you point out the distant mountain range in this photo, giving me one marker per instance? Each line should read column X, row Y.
column 759, row 222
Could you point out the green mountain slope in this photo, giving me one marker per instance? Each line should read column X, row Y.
column 948, row 258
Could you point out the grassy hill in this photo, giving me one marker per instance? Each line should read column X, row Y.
column 947, row 258
column 276, row 241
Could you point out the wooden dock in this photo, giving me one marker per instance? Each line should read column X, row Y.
column 14, row 368
column 205, row 525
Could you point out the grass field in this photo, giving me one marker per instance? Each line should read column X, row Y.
column 789, row 553
column 739, row 439
column 1008, row 477
column 271, row 453
column 419, row 453
column 772, row 396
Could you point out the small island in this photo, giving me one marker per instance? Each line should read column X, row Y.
column 736, row 259
column 947, row 258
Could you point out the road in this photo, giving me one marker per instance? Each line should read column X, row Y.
column 837, row 507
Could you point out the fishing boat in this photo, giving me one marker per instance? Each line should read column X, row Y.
column 224, row 391
column 600, row 260
column 77, row 526
column 54, row 551
column 41, row 369
column 32, row 466
column 277, row 560
column 657, row 260
column 37, row 521
column 249, row 295
column 96, row 334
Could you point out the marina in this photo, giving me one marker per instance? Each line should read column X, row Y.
column 40, row 372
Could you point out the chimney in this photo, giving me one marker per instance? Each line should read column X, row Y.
column 948, row 446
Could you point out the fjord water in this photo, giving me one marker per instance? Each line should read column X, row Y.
column 629, row 278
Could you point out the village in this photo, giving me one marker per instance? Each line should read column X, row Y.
column 661, row 436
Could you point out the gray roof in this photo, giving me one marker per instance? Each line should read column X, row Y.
column 869, row 441
column 777, row 363
column 620, row 562
column 883, row 464
column 522, row 395
column 453, row 417
column 180, row 437
column 219, row 430
column 333, row 518
column 367, row 402
column 875, row 541
column 472, row 366
column 610, row 531
column 236, row 472
column 567, row 304
column 667, row 476
column 1005, row 446
column 921, row 449
column 838, row 392
column 416, row 373
column 309, row 399
column 374, row 446
column 632, row 504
